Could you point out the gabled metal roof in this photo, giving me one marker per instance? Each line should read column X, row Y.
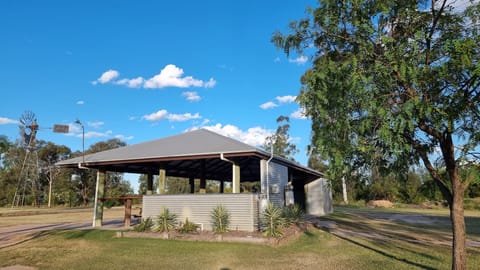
column 184, row 155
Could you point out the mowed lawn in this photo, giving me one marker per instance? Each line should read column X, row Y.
column 376, row 242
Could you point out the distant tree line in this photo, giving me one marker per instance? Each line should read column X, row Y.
column 53, row 186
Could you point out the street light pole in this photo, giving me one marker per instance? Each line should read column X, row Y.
column 83, row 139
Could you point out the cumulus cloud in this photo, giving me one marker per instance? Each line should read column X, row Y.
column 254, row 136
column 123, row 137
column 299, row 60
column 298, row 114
column 169, row 76
column 96, row 124
column 268, row 105
column 95, row 134
column 286, row 99
column 156, row 116
column 5, row 121
column 191, row 96
column 182, row 117
column 164, row 114
column 131, row 83
column 280, row 99
column 80, row 102
column 107, row 76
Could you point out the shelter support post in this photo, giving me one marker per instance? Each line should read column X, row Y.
column 99, row 194
column 162, row 181
column 235, row 178
column 128, row 212
column 191, row 181
column 203, row 180
column 222, row 186
column 149, row 184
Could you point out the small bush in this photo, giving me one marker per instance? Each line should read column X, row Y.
column 220, row 219
column 272, row 220
column 293, row 214
column 144, row 226
column 188, row 227
column 165, row 222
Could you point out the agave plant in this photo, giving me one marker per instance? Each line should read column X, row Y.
column 144, row 226
column 165, row 222
column 293, row 214
column 220, row 219
column 272, row 220
column 188, row 227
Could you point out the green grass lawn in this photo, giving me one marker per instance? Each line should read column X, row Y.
column 316, row 249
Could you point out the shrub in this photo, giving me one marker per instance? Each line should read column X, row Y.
column 293, row 214
column 220, row 219
column 145, row 225
column 272, row 220
column 188, row 227
column 165, row 222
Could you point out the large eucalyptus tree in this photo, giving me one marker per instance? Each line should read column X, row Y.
column 400, row 76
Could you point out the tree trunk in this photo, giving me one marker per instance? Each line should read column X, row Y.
column 459, row 249
column 344, row 190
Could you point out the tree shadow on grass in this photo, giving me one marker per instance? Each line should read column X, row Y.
column 383, row 253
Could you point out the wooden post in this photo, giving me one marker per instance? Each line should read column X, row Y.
column 191, row 181
column 100, row 192
column 203, row 180
column 149, row 184
column 235, row 178
column 128, row 212
column 162, row 181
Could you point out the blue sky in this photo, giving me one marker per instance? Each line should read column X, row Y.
column 142, row 70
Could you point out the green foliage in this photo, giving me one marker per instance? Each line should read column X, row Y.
column 188, row 227
column 165, row 222
column 144, row 226
column 293, row 214
column 220, row 219
column 280, row 142
column 272, row 221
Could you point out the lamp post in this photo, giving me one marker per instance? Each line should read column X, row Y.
column 83, row 139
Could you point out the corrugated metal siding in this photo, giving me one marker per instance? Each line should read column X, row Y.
column 319, row 197
column 243, row 208
column 278, row 176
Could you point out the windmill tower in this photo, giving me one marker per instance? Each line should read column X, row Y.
column 27, row 182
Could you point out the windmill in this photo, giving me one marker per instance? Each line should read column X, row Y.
column 29, row 172
column 28, row 177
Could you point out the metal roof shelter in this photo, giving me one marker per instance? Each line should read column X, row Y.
column 199, row 154
column 190, row 154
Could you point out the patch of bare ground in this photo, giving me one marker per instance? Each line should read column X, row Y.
column 288, row 234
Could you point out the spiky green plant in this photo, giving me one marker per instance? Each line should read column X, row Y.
column 144, row 226
column 165, row 222
column 293, row 214
column 188, row 227
column 272, row 220
column 220, row 219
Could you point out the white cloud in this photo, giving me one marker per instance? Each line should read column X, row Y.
column 131, row 83
column 107, row 76
column 191, row 96
column 460, row 5
column 183, row 117
column 96, row 124
column 94, row 134
column 268, row 105
column 298, row 114
column 210, row 84
column 163, row 114
column 123, row 137
column 5, row 121
column 169, row 76
column 156, row 116
column 80, row 102
column 172, row 76
column 253, row 136
column 299, row 60
column 286, row 99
